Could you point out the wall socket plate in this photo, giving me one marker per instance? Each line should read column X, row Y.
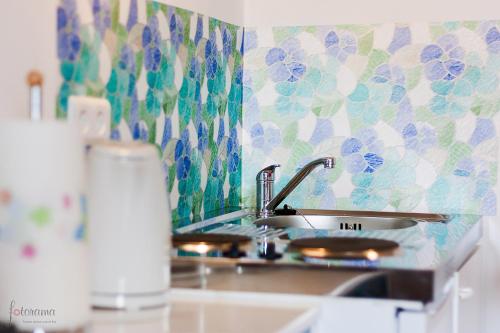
column 92, row 114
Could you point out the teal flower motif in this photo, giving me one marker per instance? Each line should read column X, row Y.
column 468, row 189
column 392, row 185
column 393, row 76
column 328, row 79
column 365, row 195
column 295, row 98
column 438, row 195
column 366, row 101
column 477, row 175
column 390, row 82
column 419, row 137
column 455, row 97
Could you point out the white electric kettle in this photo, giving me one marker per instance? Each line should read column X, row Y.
column 129, row 226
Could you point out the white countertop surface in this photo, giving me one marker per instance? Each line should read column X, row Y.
column 212, row 312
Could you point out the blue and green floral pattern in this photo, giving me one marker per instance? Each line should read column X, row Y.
column 175, row 80
column 406, row 109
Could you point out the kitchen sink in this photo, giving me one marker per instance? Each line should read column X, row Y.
column 348, row 220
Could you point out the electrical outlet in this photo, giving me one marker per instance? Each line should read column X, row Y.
column 92, row 114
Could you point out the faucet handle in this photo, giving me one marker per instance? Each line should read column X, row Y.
column 267, row 173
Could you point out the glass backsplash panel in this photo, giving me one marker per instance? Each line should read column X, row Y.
column 407, row 109
column 174, row 79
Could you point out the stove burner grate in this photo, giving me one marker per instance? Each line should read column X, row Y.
column 230, row 245
column 343, row 247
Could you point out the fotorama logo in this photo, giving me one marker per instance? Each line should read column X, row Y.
column 30, row 315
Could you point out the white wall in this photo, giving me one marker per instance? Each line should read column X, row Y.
column 261, row 13
column 328, row 12
column 230, row 11
column 28, row 37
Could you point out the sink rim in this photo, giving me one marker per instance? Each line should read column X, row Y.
column 333, row 222
column 419, row 217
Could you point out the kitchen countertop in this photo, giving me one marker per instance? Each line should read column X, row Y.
column 199, row 312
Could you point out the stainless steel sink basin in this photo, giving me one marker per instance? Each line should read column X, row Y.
column 349, row 220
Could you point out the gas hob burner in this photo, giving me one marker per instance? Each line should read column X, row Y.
column 233, row 246
column 343, row 248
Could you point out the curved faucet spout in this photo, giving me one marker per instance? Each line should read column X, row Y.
column 326, row 162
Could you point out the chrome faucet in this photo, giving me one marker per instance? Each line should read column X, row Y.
column 266, row 203
column 265, row 188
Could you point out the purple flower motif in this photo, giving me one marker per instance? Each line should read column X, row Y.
column 69, row 45
column 182, row 155
column 227, row 41
column 199, row 30
column 485, row 130
column 492, row 39
column 68, row 28
column 217, row 168
column 151, row 40
column 167, row 133
column 233, row 158
column 395, row 76
column 265, row 136
column 322, row 131
column 286, row 62
column 132, row 15
column 232, row 142
column 127, row 59
column 419, row 137
column 195, row 69
column 140, row 131
column 211, row 55
column 362, row 153
column 102, row 16
column 249, row 41
column 340, row 47
column 134, row 110
column 183, row 165
column 387, row 73
column 152, row 58
column 401, row 38
column 183, row 146
column 222, row 131
column 202, row 136
column 465, row 167
column 238, row 75
column 443, row 61
column 67, row 17
column 233, row 161
column 176, row 28
column 62, row 18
